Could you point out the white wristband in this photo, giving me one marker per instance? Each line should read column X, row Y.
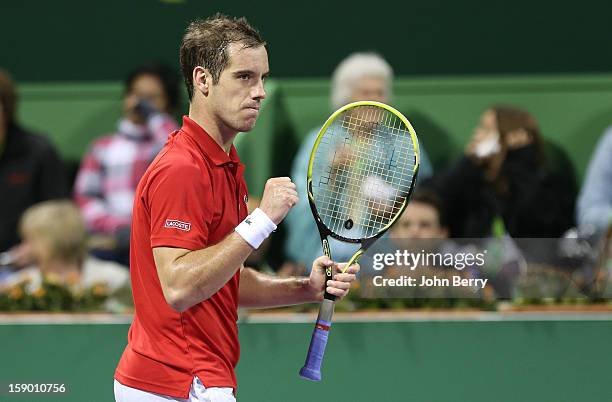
column 255, row 228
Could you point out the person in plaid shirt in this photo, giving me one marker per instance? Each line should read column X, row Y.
column 111, row 169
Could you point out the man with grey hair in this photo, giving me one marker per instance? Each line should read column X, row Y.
column 360, row 76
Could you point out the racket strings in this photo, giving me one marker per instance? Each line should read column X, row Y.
column 362, row 171
column 364, row 150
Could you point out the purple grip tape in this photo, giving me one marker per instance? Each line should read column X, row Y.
column 312, row 368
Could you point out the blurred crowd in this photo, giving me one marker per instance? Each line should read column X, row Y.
column 510, row 181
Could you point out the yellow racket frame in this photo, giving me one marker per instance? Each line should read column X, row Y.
column 355, row 258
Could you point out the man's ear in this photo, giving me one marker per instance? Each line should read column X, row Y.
column 201, row 80
column 444, row 232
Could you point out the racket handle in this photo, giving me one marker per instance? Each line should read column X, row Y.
column 312, row 368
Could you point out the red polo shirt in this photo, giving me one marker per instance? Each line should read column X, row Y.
column 192, row 196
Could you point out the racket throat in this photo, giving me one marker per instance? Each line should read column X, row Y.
column 329, row 271
column 326, row 249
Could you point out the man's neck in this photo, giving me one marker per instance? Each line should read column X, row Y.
column 223, row 135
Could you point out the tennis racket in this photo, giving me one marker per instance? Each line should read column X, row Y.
column 362, row 170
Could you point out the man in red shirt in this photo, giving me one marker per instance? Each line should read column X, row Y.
column 191, row 233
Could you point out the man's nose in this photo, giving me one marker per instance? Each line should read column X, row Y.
column 259, row 92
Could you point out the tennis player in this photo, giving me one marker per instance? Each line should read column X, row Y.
column 191, row 233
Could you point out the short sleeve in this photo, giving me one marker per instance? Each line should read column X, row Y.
column 180, row 200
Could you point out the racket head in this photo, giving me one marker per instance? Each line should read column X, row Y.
column 362, row 170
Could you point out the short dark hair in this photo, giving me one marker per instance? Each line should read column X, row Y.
column 8, row 97
column 205, row 44
column 430, row 198
column 165, row 74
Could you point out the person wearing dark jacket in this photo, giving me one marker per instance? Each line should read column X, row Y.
column 30, row 170
column 503, row 184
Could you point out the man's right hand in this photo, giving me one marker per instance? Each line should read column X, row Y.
column 279, row 196
column 138, row 110
column 145, row 109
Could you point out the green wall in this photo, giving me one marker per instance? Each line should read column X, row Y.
column 573, row 110
column 492, row 360
column 74, row 40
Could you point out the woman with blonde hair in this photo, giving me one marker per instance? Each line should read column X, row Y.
column 55, row 234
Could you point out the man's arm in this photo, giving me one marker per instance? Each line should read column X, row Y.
column 595, row 199
column 188, row 277
column 259, row 290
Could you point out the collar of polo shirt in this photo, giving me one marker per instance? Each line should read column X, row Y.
column 208, row 146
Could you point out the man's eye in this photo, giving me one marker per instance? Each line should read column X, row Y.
column 244, row 77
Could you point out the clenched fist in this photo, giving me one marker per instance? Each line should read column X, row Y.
column 279, row 197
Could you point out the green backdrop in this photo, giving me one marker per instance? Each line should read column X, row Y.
column 72, row 40
column 573, row 110
column 494, row 359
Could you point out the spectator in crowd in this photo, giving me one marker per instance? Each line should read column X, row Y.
column 55, row 233
column 30, row 172
column 422, row 219
column 109, row 173
column 422, row 226
column 594, row 213
column 420, row 230
column 361, row 76
column 503, row 184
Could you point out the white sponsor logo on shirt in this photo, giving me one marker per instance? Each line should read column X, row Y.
column 174, row 224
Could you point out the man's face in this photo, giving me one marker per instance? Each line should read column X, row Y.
column 236, row 98
column 145, row 87
column 419, row 221
column 370, row 88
